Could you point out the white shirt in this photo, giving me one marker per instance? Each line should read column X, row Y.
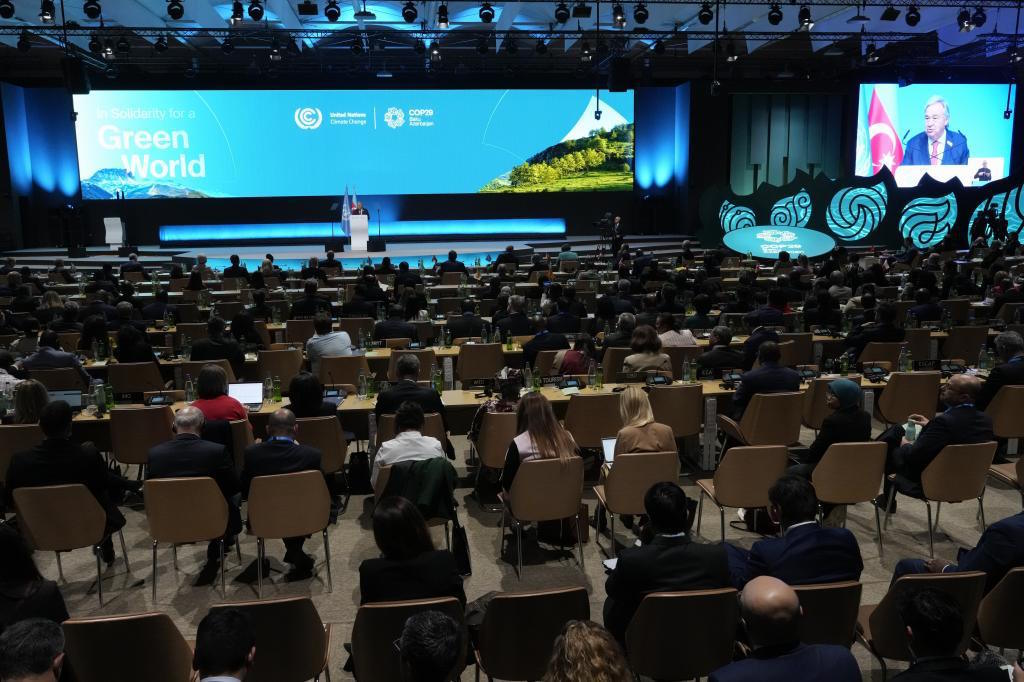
column 406, row 446
column 677, row 338
column 8, row 382
column 328, row 345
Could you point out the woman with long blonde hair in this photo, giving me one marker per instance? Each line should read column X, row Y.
column 586, row 652
column 540, row 437
column 639, row 432
column 30, row 397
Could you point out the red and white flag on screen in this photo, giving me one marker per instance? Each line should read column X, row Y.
column 886, row 147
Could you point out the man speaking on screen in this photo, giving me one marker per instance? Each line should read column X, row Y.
column 937, row 145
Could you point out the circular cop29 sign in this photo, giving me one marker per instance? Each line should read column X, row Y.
column 766, row 241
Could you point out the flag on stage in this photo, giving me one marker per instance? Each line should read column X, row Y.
column 886, row 146
column 346, row 213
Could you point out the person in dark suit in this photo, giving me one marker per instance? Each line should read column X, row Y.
column 720, row 355
column 806, row 553
column 58, row 461
column 281, row 454
column 409, row 567
column 312, row 270
column 772, row 314
column 670, row 562
column 358, row 209
column 516, row 323
column 189, row 456
column 99, row 305
column 360, row 305
column 623, row 302
column 216, row 346
column 23, row 591
column 848, row 423
column 49, row 356
column 770, row 612
column 563, row 321
column 466, row 325
column 1010, row 347
column 311, row 303
column 961, row 423
column 406, row 277
column 622, row 337
column 934, row 628
column 926, row 309
column 937, row 144
column 133, row 265
column 507, row 257
column 753, row 342
column 236, row 269
column 544, row 339
column 159, row 308
column 395, row 327
column 770, row 377
column 882, row 330
column 453, row 264
column 408, row 370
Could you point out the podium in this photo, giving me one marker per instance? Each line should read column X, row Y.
column 359, row 231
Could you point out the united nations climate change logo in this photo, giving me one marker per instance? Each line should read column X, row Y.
column 394, row 117
column 776, row 236
column 308, row 118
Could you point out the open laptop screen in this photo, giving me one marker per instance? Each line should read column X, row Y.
column 608, row 445
column 247, row 393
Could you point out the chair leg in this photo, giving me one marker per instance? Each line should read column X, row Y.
column 981, row 510
column 124, row 551
column 223, row 581
column 931, row 539
column 611, row 532
column 878, row 529
column 60, row 567
column 327, row 559
column 700, row 510
column 888, row 504
column 99, row 572
column 519, row 548
column 579, row 536
column 259, row 567
column 721, row 516
column 938, row 510
column 238, row 551
column 153, row 579
column 174, row 555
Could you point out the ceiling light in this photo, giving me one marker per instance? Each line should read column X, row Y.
column 362, row 15
column 92, row 9
column 963, row 20
column 442, row 16
column 108, row 50
column 640, row 13
column 562, row 13
column 47, row 12
column 24, row 41
column 95, row 44
column 581, row 10
column 859, row 18
column 175, row 10
column 409, row 12
column 705, row 15
column 486, row 13
column 237, row 12
column 435, row 53
column 161, row 44
column 913, row 16
column 804, row 17
column 775, row 15
column 332, row 11
column 255, row 10
column 542, row 47
column 871, row 54
column 659, row 47
column 618, row 15
column 979, row 18
column 6, row 9
column 228, row 46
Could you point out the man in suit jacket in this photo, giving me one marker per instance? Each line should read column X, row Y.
column 466, row 325
column 771, row 613
column 670, row 562
column 883, row 330
column 48, row 357
column 806, row 553
column 311, row 303
column 937, row 144
column 770, row 377
column 563, row 321
column 395, row 327
column 720, row 355
column 544, row 340
column 408, row 370
column 1010, row 347
column 516, row 323
column 236, row 269
column 622, row 337
column 453, row 264
column 189, row 456
column 281, row 454
column 217, row 347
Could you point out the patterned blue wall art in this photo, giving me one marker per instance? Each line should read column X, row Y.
column 733, row 217
column 855, row 212
column 1011, row 206
column 928, row 219
column 794, row 211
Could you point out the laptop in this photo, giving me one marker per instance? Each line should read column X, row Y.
column 72, row 398
column 608, row 446
column 249, row 394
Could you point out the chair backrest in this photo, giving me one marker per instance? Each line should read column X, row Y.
column 959, row 309
column 814, row 408
column 298, row 331
column 773, row 418
column 611, row 363
column 241, row 438
column 69, row 340
column 745, row 474
column 291, row 641
column 134, row 377
column 700, row 639
column 63, row 379
column 919, row 341
column 378, row 625
column 520, row 628
column 144, row 646
column 233, row 283
column 479, row 361
column 262, row 331
column 193, row 330
column 829, row 612
column 909, row 393
column 496, row 433
column 965, row 342
column 325, row 434
column 1008, row 311
column 289, row 505
column 633, row 474
column 1006, row 409
column 134, row 430
column 850, row 472
column 17, row 438
column 589, row 417
column 680, row 354
column 680, row 407
column 343, row 369
column 279, row 363
column 958, row 472
column 802, row 350
column 433, row 426
column 888, row 634
column 352, row 325
column 547, row 489
column 878, row 351
column 60, row 517
column 193, row 367
column 181, row 510
column 999, row 612
column 427, row 360
column 544, row 364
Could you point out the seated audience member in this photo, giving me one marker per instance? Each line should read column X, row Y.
column 961, row 423
column 195, row 281
column 99, row 305
column 770, row 377
column 32, row 650
column 312, row 270
column 58, row 461
column 409, row 567
column 236, row 269
column 28, row 343
column 202, row 268
column 453, row 264
column 668, row 332
column 848, row 423
column 66, row 319
column 1000, row 548
column 10, row 376
column 217, row 346
column 326, row 342
column 409, row 443
column 671, row 562
column 586, row 652
column 838, row 289
column 882, row 330
column 1010, row 348
column 430, row 648
column 30, row 397
column 576, row 360
column 48, row 307
column 311, row 304
column 395, row 327
column 225, row 648
column 925, row 310
column 306, row 397
column 720, row 355
column 622, row 337
column 506, row 400
column 771, row 314
column 260, row 309
column 49, row 356
column 406, row 277
column 243, row 332
column 212, row 397
column 540, row 437
column 94, row 331
column 823, row 311
column 125, row 313
column 646, row 356
column 771, row 613
column 806, row 553
column 934, row 628
column 189, row 456
column 467, row 325
column 543, row 340
column 132, row 346
column 516, row 323
column 407, row 369
column 159, row 309
column 23, row 591
column 280, row 453
column 640, row 433
column 563, row 321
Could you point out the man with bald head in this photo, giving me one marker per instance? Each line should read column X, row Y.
column 770, row 612
column 961, row 423
column 189, row 456
column 280, row 453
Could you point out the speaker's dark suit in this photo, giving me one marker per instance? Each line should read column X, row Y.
column 394, row 328
column 955, row 426
column 919, row 150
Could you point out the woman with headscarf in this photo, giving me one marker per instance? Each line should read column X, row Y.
column 848, row 423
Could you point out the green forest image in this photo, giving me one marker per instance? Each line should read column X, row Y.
column 601, row 161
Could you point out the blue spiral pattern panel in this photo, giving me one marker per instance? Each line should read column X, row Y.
column 1012, row 203
column 733, row 217
column 794, row 211
column 928, row 219
column 855, row 212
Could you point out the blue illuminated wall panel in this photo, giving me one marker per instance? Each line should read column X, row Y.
column 662, row 139
column 41, row 142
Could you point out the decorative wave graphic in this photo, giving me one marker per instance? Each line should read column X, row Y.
column 928, row 219
column 794, row 211
column 733, row 217
column 855, row 212
column 1010, row 205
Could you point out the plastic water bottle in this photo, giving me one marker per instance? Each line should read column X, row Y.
column 592, row 374
column 982, row 359
column 186, row 347
column 190, row 391
column 361, row 387
column 438, row 381
column 911, row 432
column 687, row 373
column 100, row 397
column 268, row 389
column 991, row 359
column 277, row 389
column 599, row 384
column 108, row 396
column 844, row 364
column 904, row 360
column 371, row 387
column 528, row 377
column 362, row 338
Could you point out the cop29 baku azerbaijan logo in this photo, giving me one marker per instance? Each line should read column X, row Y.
column 308, row 118
column 776, row 236
column 394, row 117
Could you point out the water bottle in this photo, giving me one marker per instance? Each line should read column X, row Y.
column 592, row 374
column 991, row 360
column 438, row 378
column 108, row 395
column 361, row 388
column 537, row 382
column 844, row 364
column 911, row 432
column 95, row 349
column 528, row 377
column 371, row 387
column 190, row 391
column 905, row 362
column 362, row 338
column 447, row 337
column 186, row 347
column 100, row 397
column 687, row 374
column 947, row 320
column 268, row 389
column 277, row 389
column 982, row 359
column 168, row 319
column 600, row 378
column 908, row 323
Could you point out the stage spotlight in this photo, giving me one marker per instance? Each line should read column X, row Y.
column 963, row 21
column 804, row 17
column 561, row 13
column 582, row 10
column 6, row 9
column 1016, row 55
column 24, row 41
column 913, row 17
column 175, row 10
column 108, row 50
column 775, row 15
column 409, row 12
column 228, row 46
column 871, row 54
column 420, row 46
column 47, row 12
column 161, row 44
column 486, row 13
column 706, row 14
column 332, row 11
column 95, row 44
column 442, row 16
column 890, row 13
column 979, row 17
column 275, row 51
column 659, row 47
column 597, row 114
column 255, row 10
column 640, row 13
column 123, row 46
column 481, row 46
column 92, row 9
column 618, row 15
column 542, row 47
